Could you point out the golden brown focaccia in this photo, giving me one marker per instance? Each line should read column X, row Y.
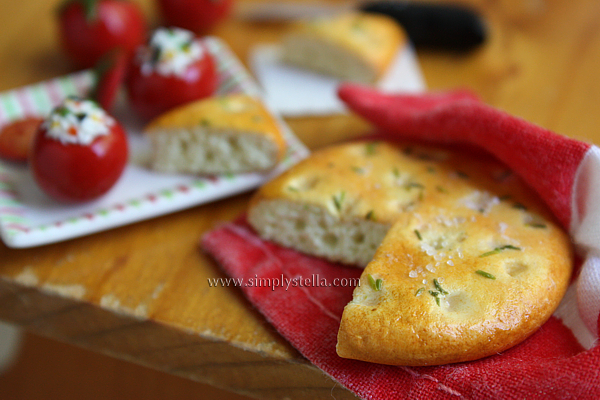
column 354, row 46
column 233, row 133
column 462, row 259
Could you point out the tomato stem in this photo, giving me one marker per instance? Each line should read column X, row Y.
column 90, row 8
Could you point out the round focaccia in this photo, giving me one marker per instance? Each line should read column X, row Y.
column 462, row 259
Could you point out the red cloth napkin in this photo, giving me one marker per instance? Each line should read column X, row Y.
column 551, row 364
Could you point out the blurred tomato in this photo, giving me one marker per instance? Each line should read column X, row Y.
column 66, row 166
column 90, row 28
column 199, row 16
column 173, row 69
column 16, row 138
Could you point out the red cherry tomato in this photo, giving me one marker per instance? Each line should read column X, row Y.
column 199, row 16
column 90, row 28
column 152, row 94
column 75, row 172
column 16, row 138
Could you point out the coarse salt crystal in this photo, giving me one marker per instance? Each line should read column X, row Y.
column 502, row 227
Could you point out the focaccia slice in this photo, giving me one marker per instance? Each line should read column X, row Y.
column 354, row 46
column 468, row 262
column 226, row 134
column 339, row 203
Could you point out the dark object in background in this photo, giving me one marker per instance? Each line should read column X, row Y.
column 434, row 26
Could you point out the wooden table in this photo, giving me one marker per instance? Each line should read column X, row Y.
column 140, row 292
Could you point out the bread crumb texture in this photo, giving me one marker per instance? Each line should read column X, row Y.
column 227, row 134
column 470, row 261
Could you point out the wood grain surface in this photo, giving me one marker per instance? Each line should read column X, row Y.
column 140, row 292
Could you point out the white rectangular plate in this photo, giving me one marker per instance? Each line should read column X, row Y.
column 29, row 218
column 295, row 92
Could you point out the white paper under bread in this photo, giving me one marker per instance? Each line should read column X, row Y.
column 295, row 92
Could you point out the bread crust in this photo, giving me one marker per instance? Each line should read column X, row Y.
column 473, row 262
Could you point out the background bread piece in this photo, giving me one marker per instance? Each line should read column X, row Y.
column 355, row 46
column 471, row 265
column 233, row 133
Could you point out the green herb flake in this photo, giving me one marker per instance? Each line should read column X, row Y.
column 371, row 281
column 358, row 170
column 370, row 215
column 293, row 189
column 412, row 185
column 441, row 189
column 536, row 225
column 435, row 295
column 419, row 291
column 204, row 122
column 439, row 287
column 338, row 201
column 62, row 111
column 489, row 253
column 156, row 53
column 498, row 250
column 409, row 206
column 431, row 170
column 90, row 10
column 376, row 285
column 418, row 234
column 371, row 147
column 396, row 173
column 485, row 274
column 357, row 25
column 186, row 46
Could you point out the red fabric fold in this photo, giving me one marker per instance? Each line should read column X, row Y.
column 551, row 364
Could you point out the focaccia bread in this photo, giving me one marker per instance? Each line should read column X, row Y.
column 462, row 260
column 354, row 46
column 233, row 133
